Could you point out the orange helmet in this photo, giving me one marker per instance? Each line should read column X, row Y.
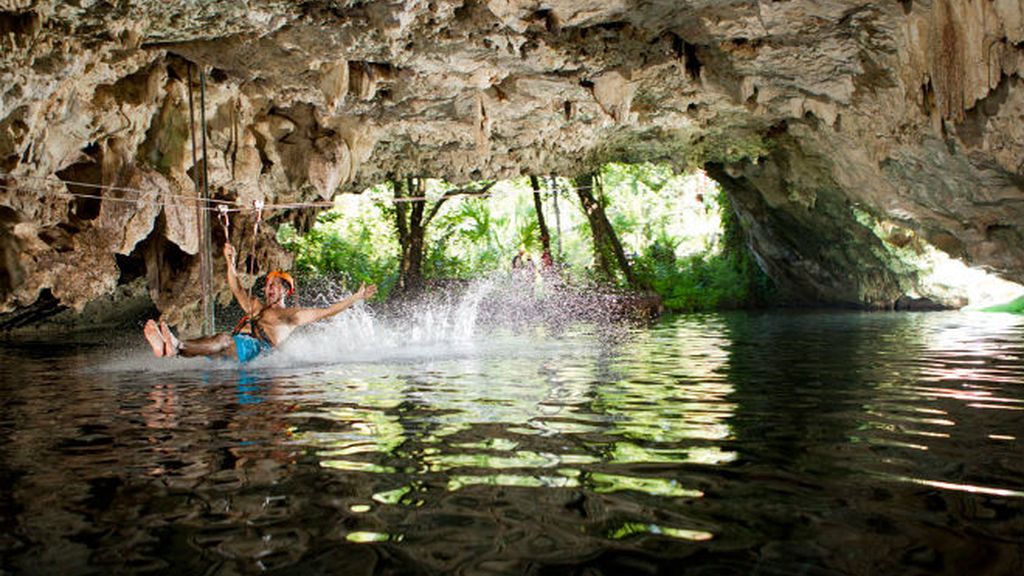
column 283, row 276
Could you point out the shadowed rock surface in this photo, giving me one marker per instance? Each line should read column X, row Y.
column 807, row 112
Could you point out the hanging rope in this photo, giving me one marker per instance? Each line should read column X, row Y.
column 253, row 319
column 257, row 206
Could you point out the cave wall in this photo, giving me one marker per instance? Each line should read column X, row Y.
column 807, row 111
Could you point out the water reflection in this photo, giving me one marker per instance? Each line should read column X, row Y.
column 657, row 404
column 746, row 443
column 872, row 435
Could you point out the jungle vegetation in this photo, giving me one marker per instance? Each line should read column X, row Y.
column 627, row 227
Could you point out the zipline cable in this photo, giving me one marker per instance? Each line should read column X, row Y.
column 112, row 188
column 205, row 204
column 234, row 207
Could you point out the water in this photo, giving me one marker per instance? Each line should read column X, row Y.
column 775, row 443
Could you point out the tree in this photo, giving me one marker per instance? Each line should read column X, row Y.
column 411, row 230
column 607, row 249
column 412, row 220
column 545, row 237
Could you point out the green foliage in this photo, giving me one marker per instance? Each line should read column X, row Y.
column 653, row 177
column 698, row 282
column 356, row 250
column 464, row 241
column 1014, row 307
column 668, row 225
column 707, row 280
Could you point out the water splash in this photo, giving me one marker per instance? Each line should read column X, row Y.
column 450, row 323
column 445, row 325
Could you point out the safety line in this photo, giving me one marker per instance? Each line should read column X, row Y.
column 210, row 200
column 213, row 203
column 114, row 198
column 110, row 187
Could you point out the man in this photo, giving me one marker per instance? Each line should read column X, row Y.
column 265, row 325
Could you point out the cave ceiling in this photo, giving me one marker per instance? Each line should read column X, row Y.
column 808, row 111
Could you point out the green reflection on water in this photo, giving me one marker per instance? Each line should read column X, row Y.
column 365, row 537
column 392, row 496
column 629, row 453
column 524, row 459
column 353, row 466
column 654, row 486
column 494, row 444
column 458, row 482
column 635, row 528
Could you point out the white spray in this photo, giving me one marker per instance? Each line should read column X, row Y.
column 442, row 327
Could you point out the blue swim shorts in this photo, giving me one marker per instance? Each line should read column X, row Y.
column 248, row 347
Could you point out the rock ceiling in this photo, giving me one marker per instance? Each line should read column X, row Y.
column 809, row 112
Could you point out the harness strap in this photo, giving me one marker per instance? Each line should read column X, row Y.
column 255, row 330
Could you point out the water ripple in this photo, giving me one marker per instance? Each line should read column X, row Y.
column 749, row 443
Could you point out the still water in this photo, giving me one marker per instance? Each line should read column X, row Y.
column 772, row 443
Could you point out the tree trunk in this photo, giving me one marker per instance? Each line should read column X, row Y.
column 412, row 221
column 410, row 226
column 607, row 249
column 545, row 237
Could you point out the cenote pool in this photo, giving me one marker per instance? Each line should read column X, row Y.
column 746, row 443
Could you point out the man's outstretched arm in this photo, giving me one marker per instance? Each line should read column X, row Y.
column 249, row 305
column 303, row 316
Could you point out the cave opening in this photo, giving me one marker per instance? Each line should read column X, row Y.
column 939, row 277
column 658, row 231
column 675, row 235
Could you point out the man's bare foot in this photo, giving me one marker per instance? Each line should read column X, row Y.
column 171, row 343
column 156, row 341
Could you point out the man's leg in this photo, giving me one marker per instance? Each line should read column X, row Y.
column 153, row 336
column 216, row 345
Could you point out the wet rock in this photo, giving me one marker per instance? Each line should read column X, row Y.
column 911, row 303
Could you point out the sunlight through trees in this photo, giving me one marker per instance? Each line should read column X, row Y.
column 637, row 226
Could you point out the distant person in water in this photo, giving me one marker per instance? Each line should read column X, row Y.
column 522, row 260
column 264, row 326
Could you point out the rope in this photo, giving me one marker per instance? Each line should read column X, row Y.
column 403, row 199
column 202, row 219
column 79, row 195
column 211, row 204
column 56, row 180
column 257, row 206
column 220, row 204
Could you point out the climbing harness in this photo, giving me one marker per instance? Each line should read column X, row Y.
column 253, row 319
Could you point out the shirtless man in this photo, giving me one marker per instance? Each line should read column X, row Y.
column 268, row 325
